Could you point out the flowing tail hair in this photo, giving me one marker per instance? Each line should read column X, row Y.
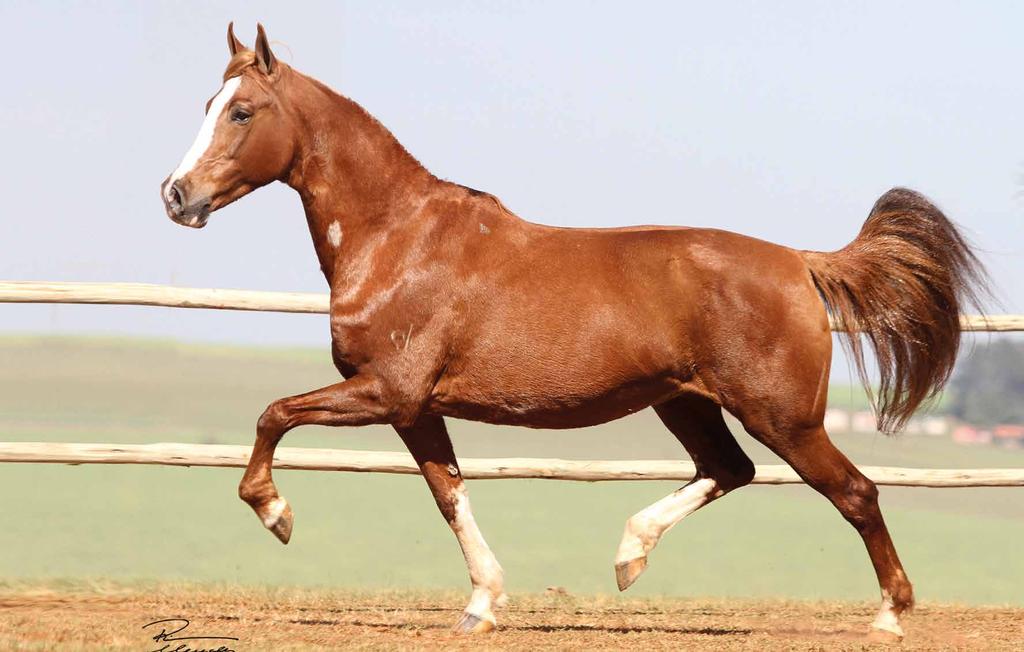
column 902, row 283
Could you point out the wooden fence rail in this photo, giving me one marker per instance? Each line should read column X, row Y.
column 323, row 459
column 314, row 459
column 141, row 294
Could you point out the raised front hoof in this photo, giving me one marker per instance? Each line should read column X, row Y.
column 279, row 519
column 626, row 572
column 470, row 624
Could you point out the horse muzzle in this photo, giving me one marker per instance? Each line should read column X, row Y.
column 184, row 206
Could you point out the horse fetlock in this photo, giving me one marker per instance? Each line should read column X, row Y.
column 496, row 593
column 902, row 594
column 490, row 591
column 496, row 581
column 488, row 579
column 256, row 493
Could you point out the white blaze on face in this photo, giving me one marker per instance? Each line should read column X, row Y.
column 205, row 136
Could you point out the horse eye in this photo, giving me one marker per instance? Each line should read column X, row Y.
column 240, row 116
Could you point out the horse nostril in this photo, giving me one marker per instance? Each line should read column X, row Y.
column 176, row 195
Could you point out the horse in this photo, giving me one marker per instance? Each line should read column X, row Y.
column 443, row 303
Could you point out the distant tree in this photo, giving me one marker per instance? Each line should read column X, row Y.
column 988, row 386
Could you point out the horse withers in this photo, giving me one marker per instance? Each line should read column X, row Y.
column 445, row 304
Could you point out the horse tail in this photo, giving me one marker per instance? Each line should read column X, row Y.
column 903, row 283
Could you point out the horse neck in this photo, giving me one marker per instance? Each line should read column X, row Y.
column 355, row 179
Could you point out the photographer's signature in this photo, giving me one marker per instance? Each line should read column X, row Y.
column 170, row 628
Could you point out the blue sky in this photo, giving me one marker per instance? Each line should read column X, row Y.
column 779, row 120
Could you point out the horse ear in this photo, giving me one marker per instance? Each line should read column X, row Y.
column 234, row 45
column 264, row 57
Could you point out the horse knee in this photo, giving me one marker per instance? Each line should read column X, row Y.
column 273, row 418
column 902, row 594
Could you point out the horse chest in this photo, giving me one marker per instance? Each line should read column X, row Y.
column 370, row 330
column 352, row 335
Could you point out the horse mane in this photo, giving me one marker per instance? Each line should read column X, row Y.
column 244, row 59
column 368, row 118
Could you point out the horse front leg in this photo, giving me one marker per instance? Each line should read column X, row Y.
column 355, row 402
column 431, row 447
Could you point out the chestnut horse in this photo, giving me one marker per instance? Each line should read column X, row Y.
column 446, row 304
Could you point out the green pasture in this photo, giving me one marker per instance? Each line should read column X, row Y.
column 369, row 531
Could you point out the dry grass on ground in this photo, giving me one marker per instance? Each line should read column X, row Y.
column 112, row 617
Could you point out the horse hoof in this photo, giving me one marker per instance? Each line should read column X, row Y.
column 878, row 635
column 886, row 628
column 626, row 572
column 470, row 624
column 279, row 519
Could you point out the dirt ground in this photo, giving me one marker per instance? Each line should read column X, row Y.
column 113, row 618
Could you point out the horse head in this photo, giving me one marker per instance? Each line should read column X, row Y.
column 246, row 140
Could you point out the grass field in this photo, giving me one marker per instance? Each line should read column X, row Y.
column 373, row 532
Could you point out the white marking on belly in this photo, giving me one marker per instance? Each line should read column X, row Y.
column 334, row 234
column 206, row 131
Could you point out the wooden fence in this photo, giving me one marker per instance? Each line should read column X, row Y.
column 142, row 294
column 313, row 459
column 329, row 459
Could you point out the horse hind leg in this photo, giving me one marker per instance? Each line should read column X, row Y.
column 722, row 466
column 822, row 466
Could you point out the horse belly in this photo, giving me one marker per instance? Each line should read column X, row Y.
column 541, row 410
column 557, row 388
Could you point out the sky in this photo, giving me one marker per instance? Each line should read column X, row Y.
column 784, row 121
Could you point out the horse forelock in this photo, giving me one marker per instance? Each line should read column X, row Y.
column 239, row 62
